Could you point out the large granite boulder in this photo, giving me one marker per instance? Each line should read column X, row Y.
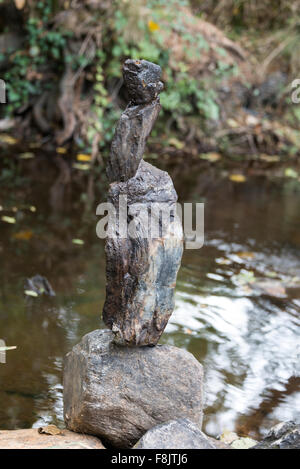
column 176, row 434
column 118, row 393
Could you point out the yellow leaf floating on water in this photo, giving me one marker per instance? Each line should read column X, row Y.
column 212, row 157
column 5, row 138
column 83, row 157
column 82, row 167
column 61, row 150
column 237, row 178
column 31, row 293
column 79, row 242
column 26, row 156
column 153, row 26
column 8, row 219
column 25, row 235
column 269, row 158
column 246, row 255
column 290, row 173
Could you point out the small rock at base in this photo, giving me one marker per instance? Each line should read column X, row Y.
column 176, row 434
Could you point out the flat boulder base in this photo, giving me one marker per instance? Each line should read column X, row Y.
column 177, row 434
column 32, row 439
column 118, row 393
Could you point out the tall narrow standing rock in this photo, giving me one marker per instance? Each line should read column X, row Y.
column 141, row 267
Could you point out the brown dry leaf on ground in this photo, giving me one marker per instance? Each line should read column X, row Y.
column 237, row 178
column 25, row 235
column 50, row 430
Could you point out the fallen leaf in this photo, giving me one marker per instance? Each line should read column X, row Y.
column 5, row 138
column 26, row 155
column 34, row 145
column 25, row 235
column 80, row 242
column 82, row 167
column 8, row 219
column 291, row 173
column 83, row 157
column 50, row 430
column 31, row 293
column 153, row 26
column 269, row 158
column 237, row 178
column 212, row 157
column 61, row 150
column 246, row 255
column 233, row 124
column 174, row 142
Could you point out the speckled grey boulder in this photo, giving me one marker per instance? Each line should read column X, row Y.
column 118, row 393
column 176, row 434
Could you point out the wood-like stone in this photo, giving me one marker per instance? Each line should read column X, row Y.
column 142, row 266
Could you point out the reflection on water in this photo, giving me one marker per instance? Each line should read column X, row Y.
column 246, row 338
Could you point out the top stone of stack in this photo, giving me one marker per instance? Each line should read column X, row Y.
column 142, row 80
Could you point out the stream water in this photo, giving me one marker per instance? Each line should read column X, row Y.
column 237, row 298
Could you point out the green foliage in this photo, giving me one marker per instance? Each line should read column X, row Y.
column 42, row 47
column 130, row 30
column 137, row 37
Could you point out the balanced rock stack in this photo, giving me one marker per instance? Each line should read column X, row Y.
column 118, row 383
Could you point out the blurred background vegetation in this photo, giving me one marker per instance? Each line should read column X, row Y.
column 227, row 66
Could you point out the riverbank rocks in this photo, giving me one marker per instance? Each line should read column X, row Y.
column 176, row 434
column 118, row 393
column 32, row 439
column 282, row 436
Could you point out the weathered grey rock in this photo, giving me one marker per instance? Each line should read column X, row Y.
column 282, row 436
column 176, row 434
column 142, row 264
column 142, row 80
column 118, row 393
column 141, row 270
column 130, row 139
